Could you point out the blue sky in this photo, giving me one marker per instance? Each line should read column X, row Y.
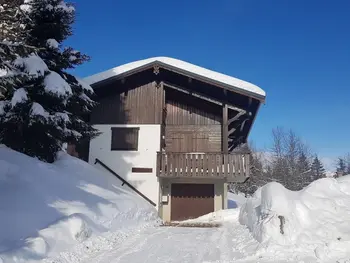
column 297, row 51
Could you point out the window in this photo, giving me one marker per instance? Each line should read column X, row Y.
column 125, row 139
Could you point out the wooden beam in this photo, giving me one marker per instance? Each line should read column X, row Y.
column 201, row 96
column 236, row 117
column 195, row 94
column 162, row 119
column 224, row 128
column 232, row 130
column 240, row 126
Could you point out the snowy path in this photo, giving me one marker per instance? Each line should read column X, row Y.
column 230, row 243
column 176, row 244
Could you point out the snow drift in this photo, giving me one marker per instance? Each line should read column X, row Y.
column 230, row 215
column 317, row 216
column 48, row 208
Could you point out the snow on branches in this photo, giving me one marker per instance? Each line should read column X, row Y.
column 42, row 105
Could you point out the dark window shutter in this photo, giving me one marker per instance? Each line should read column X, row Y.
column 125, row 139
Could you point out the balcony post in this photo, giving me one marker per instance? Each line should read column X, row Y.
column 224, row 128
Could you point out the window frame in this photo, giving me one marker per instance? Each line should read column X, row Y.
column 133, row 146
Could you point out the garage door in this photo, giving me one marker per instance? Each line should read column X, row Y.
column 191, row 200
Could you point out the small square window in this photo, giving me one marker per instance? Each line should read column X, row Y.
column 124, row 139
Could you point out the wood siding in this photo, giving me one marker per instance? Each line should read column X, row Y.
column 184, row 109
column 140, row 105
column 193, row 138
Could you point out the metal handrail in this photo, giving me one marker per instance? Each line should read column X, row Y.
column 124, row 181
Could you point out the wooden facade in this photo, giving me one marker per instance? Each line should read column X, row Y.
column 193, row 138
column 139, row 105
column 184, row 109
column 196, row 118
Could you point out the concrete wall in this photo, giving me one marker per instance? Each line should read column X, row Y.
column 220, row 192
column 122, row 161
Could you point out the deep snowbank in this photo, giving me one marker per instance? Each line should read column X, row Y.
column 235, row 200
column 317, row 216
column 48, row 208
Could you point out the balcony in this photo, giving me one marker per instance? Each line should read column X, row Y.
column 234, row 167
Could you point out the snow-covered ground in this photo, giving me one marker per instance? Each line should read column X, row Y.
column 69, row 211
column 313, row 221
column 49, row 208
column 233, row 242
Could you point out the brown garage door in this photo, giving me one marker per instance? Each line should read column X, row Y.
column 191, row 200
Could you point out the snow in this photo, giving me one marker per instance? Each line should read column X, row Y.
column 55, row 84
column 19, row 96
column 2, row 106
column 33, row 65
column 315, row 218
column 38, row 110
column 178, row 245
column 85, row 97
column 182, row 66
column 74, row 133
column 63, row 116
column 67, row 8
column 85, row 86
column 229, row 215
column 235, row 200
column 26, row 7
column 53, row 43
column 49, row 7
column 70, row 211
column 3, row 72
column 216, row 217
column 231, row 242
column 49, row 209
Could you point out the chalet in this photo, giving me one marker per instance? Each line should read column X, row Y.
column 171, row 130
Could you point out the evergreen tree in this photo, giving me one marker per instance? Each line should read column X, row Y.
column 317, row 169
column 347, row 163
column 48, row 108
column 12, row 35
column 304, row 175
column 341, row 167
column 257, row 176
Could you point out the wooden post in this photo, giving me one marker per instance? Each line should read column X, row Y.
column 225, row 129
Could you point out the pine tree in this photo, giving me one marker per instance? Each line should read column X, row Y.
column 347, row 164
column 48, row 109
column 317, row 169
column 341, row 167
column 12, row 35
column 304, row 175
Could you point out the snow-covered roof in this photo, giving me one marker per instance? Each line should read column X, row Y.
column 182, row 67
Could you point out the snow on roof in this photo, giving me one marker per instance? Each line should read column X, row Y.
column 185, row 67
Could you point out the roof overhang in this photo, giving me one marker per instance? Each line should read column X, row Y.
column 180, row 67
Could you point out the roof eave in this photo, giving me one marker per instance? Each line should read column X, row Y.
column 231, row 88
column 213, row 82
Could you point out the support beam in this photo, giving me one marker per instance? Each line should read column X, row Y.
column 192, row 93
column 236, row 117
column 239, row 126
column 201, row 96
column 225, row 128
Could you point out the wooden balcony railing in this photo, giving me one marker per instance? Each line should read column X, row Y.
column 235, row 167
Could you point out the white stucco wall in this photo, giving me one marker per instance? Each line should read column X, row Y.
column 122, row 161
